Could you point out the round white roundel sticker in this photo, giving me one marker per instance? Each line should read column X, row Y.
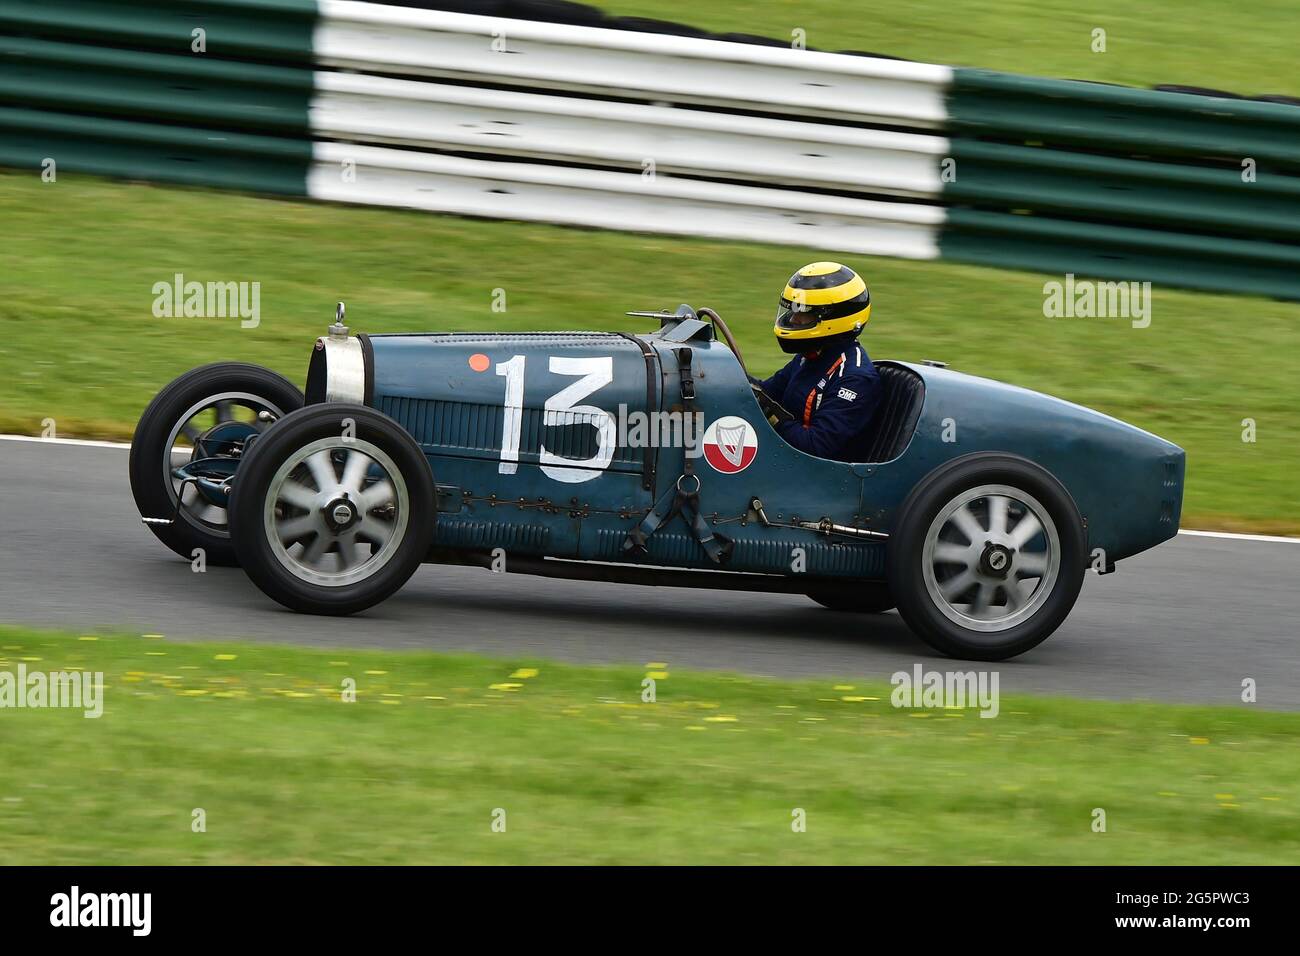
column 730, row 444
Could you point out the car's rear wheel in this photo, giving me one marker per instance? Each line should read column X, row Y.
column 333, row 510
column 210, row 412
column 860, row 598
column 987, row 558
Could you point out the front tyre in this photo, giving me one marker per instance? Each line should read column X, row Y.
column 210, row 412
column 333, row 509
column 987, row 558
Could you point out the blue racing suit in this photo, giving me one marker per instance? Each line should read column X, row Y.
column 833, row 396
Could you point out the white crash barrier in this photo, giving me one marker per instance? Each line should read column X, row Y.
column 378, row 38
column 690, row 136
column 343, row 172
column 644, row 137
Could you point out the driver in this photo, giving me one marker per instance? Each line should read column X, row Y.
column 830, row 387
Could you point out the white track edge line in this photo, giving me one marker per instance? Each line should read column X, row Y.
column 87, row 443
column 1239, row 537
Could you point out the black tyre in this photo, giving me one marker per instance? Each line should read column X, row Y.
column 987, row 558
column 860, row 598
column 333, row 509
column 181, row 424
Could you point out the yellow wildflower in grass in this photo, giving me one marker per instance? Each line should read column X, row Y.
column 504, row 686
column 1199, row 740
column 375, row 673
column 88, row 637
column 524, row 673
column 722, row 719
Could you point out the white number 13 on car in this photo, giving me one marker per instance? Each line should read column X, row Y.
column 561, row 409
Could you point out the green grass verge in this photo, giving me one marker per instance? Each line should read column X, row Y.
column 81, row 345
column 1188, row 42
column 286, row 772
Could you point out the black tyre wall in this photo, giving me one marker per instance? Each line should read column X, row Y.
column 148, row 484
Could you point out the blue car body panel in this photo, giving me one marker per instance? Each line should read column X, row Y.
column 569, row 492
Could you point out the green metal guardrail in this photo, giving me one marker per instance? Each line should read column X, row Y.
column 1063, row 176
column 130, row 97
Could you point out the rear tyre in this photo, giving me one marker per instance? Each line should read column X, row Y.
column 872, row 598
column 987, row 558
column 333, row 510
column 178, row 426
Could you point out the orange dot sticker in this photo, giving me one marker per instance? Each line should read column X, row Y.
column 479, row 362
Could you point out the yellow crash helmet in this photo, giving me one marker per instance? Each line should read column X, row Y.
column 822, row 302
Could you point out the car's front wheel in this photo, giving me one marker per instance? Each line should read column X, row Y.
column 333, row 509
column 209, row 414
column 987, row 558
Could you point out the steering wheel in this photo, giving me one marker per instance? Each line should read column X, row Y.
column 770, row 406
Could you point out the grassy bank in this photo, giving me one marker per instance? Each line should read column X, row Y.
column 412, row 771
column 82, row 346
column 1193, row 43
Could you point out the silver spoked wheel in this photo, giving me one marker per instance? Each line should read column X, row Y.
column 991, row 558
column 336, row 511
column 195, row 435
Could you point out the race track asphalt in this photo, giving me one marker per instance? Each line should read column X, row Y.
column 1187, row 621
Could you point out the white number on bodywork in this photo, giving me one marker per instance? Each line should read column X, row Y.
column 513, row 372
column 562, row 408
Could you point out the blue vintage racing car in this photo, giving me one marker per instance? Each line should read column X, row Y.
column 647, row 458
